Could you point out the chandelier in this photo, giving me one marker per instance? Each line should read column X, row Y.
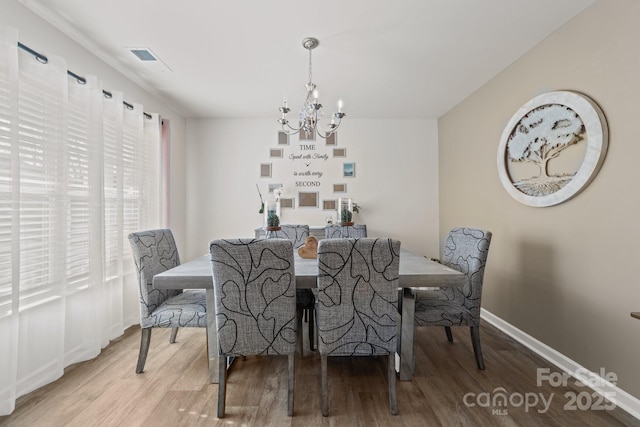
column 311, row 111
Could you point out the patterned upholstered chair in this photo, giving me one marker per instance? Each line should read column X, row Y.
column 298, row 234
column 356, row 308
column 254, row 285
column 466, row 250
column 337, row 231
column 155, row 251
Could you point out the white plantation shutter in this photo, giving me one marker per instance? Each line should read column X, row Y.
column 152, row 180
column 9, row 247
column 78, row 172
column 8, row 134
column 84, row 186
column 42, row 146
column 113, row 184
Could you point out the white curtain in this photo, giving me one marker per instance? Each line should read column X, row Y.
column 78, row 172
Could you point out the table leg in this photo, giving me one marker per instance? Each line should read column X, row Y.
column 407, row 356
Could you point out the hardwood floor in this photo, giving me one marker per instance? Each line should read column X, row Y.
column 173, row 390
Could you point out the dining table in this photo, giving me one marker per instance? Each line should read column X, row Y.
column 415, row 271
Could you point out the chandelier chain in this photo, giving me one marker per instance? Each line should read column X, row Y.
column 310, row 68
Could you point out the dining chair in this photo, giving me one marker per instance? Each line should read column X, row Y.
column 297, row 233
column 254, row 286
column 337, row 231
column 466, row 250
column 155, row 251
column 356, row 307
column 305, row 300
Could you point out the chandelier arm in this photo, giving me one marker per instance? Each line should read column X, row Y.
column 329, row 132
column 293, row 131
column 325, row 136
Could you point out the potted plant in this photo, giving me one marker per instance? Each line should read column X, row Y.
column 273, row 222
column 346, row 217
column 345, row 211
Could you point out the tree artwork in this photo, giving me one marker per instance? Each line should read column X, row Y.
column 539, row 137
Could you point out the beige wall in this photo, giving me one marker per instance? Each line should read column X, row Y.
column 396, row 179
column 566, row 275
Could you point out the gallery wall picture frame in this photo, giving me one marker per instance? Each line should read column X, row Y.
column 339, row 188
column 339, row 152
column 283, row 138
column 332, row 139
column 349, row 170
column 552, row 148
column 307, row 136
column 308, row 199
column 329, row 205
column 276, row 153
column 288, row 203
column 265, row 170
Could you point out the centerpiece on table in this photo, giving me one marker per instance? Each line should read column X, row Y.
column 345, row 211
column 271, row 217
column 273, row 221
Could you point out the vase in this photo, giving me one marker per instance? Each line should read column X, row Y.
column 345, row 211
column 272, row 214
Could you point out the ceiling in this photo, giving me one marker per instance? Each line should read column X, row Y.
column 239, row 58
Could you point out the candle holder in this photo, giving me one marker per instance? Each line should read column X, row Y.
column 345, row 211
column 272, row 216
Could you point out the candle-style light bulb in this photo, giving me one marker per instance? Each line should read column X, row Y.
column 340, row 106
column 285, row 102
column 315, row 96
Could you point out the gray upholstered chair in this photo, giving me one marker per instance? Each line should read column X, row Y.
column 155, row 251
column 466, row 250
column 356, row 307
column 254, row 285
column 337, row 231
column 298, row 234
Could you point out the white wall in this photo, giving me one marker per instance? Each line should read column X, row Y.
column 396, row 180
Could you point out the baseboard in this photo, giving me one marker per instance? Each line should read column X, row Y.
column 598, row 384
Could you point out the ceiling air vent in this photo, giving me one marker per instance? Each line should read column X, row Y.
column 148, row 59
column 144, row 54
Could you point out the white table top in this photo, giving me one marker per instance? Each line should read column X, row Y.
column 415, row 272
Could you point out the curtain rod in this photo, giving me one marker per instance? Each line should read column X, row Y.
column 43, row 59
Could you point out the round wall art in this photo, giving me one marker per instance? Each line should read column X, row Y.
column 552, row 148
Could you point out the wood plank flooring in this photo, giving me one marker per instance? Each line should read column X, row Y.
column 174, row 391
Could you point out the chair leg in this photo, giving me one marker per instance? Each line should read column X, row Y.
column 174, row 334
column 299, row 344
column 291, row 384
column 312, row 330
column 325, row 386
column 145, row 340
column 447, row 329
column 222, row 384
column 477, row 348
column 391, row 369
